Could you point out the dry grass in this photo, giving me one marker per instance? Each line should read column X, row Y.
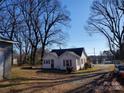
column 93, row 69
column 107, row 67
column 28, row 81
column 17, row 72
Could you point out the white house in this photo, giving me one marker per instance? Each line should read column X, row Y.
column 63, row 58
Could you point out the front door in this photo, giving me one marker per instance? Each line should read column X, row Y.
column 1, row 64
column 52, row 64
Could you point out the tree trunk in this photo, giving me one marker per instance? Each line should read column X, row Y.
column 121, row 52
column 31, row 57
column 12, row 56
column 34, row 56
column 42, row 52
column 20, row 57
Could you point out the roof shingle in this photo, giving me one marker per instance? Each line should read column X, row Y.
column 77, row 51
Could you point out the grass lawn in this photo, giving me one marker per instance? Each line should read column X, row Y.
column 96, row 68
column 18, row 73
column 89, row 70
column 26, row 81
column 29, row 81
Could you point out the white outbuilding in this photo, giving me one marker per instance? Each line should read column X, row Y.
column 63, row 58
column 5, row 58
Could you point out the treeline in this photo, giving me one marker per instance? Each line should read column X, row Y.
column 33, row 24
column 107, row 18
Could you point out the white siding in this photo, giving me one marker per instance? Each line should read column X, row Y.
column 1, row 64
column 80, row 62
column 8, row 59
column 5, row 60
column 83, row 56
column 68, row 56
column 50, row 57
column 77, row 62
column 15, row 61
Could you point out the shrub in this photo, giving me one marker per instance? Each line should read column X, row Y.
column 69, row 69
column 87, row 65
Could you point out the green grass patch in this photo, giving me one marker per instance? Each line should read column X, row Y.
column 89, row 70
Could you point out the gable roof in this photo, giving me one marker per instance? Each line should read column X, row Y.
column 51, row 53
column 77, row 51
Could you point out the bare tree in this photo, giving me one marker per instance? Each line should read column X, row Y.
column 29, row 10
column 23, row 45
column 107, row 18
column 9, row 21
column 34, row 24
column 54, row 16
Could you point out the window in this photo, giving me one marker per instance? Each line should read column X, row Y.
column 67, row 62
column 44, row 61
column 47, row 61
column 63, row 62
column 70, row 62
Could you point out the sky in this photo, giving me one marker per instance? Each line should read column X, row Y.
column 78, row 36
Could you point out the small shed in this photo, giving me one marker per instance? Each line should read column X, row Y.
column 5, row 58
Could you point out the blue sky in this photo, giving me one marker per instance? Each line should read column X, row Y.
column 78, row 36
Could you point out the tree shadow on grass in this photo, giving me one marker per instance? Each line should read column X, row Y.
column 97, row 84
column 88, row 88
column 44, row 85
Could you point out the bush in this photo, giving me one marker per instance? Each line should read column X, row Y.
column 87, row 65
column 69, row 69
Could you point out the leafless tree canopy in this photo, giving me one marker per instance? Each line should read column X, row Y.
column 107, row 18
column 34, row 24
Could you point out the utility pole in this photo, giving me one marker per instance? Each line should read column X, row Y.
column 94, row 55
column 94, row 51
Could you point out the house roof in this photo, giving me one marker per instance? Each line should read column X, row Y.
column 72, row 53
column 77, row 51
column 6, row 40
column 51, row 53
